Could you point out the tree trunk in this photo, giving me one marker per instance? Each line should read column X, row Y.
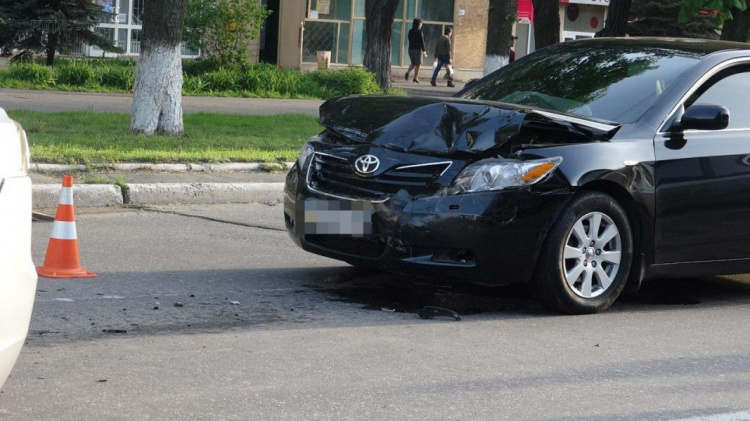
column 500, row 20
column 52, row 41
column 737, row 29
column 379, row 15
column 157, row 94
column 617, row 19
column 546, row 23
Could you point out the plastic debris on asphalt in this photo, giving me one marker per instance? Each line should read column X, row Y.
column 429, row 312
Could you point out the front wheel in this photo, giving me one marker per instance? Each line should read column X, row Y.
column 585, row 262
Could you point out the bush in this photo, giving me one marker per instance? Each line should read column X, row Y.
column 30, row 72
column 201, row 77
column 222, row 80
column 349, row 81
column 74, row 73
column 121, row 78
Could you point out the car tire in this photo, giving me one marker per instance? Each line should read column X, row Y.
column 579, row 271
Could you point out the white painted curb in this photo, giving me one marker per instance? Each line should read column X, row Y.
column 47, row 196
column 202, row 193
column 171, row 168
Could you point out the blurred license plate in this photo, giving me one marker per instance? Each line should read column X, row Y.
column 338, row 217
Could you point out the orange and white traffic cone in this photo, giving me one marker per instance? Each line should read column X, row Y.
column 62, row 259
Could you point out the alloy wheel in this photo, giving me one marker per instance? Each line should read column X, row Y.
column 592, row 255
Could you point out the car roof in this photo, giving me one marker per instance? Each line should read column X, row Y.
column 688, row 46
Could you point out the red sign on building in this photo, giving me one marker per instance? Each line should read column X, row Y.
column 525, row 12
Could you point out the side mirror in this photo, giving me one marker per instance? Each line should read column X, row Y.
column 705, row 117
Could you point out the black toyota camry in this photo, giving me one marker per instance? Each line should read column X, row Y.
column 583, row 168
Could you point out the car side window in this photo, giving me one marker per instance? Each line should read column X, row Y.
column 729, row 88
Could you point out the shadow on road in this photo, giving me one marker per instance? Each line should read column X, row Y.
column 387, row 292
column 194, row 301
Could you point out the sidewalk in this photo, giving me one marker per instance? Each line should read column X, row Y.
column 57, row 101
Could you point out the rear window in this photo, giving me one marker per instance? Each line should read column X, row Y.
column 610, row 82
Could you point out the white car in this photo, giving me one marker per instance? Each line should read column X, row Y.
column 17, row 273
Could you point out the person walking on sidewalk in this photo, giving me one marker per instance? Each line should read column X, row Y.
column 416, row 49
column 443, row 56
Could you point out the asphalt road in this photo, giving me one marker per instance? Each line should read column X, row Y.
column 310, row 338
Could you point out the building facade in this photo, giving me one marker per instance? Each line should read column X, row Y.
column 308, row 26
column 122, row 25
column 298, row 29
column 578, row 19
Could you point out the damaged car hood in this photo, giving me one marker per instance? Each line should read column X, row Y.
column 450, row 125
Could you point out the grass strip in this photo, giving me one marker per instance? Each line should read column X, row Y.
column 87, row 138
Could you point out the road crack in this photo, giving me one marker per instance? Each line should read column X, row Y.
column 208, row 218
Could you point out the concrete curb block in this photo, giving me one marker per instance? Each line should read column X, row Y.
column 202, row 193
column 87, row 195
column 172, row 168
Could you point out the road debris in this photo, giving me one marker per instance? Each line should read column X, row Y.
column 234, row 303
column 179, row 304
column 429, row 312
column 114, row 331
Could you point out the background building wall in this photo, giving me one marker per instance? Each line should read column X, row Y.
column 291, row 14
column 470, row 33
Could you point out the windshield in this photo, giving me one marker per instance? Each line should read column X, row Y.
column 610, row 82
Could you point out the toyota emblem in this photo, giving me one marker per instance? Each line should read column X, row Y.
column 367, row 164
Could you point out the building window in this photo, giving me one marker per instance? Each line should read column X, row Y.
column 338, row 26
column 137, row 18
column 123, row 11
column 135, row 41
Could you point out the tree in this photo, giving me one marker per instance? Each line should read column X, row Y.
column 617, row 19
column 546, row 23
column 222, row 29
column 737, row 29
column 661, row 18
column 500, row 20
column 379, row 16
column 732, row 13
column 51, row 26
column 721, row 8
column 157, row 94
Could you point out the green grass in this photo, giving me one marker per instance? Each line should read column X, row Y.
column 83, row 137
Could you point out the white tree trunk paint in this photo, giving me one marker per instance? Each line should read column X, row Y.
column 157, row 94
column 492, row 63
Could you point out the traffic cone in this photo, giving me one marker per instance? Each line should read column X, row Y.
column 62, row 259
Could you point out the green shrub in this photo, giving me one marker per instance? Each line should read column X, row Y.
column 199, row 67
column 222, row 80
column 121, row 78
column 201, row 77
column 349, row 81
column 30, row 72
column 74, row 73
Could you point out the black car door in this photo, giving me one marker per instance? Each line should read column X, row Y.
column 702, row 178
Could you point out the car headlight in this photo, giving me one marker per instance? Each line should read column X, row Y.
column 305, row 152
column 496, row 174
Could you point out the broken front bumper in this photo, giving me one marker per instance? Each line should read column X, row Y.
column 492, row 237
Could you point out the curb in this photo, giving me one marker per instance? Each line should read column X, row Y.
column 46, row 196
column 175, row 168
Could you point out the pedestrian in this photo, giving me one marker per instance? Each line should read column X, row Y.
column 416, row 49
column 512, row 52
column 443, row 56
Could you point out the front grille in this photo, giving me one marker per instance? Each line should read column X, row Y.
column 334, row 175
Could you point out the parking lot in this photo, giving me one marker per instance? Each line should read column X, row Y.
column 211, row 312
